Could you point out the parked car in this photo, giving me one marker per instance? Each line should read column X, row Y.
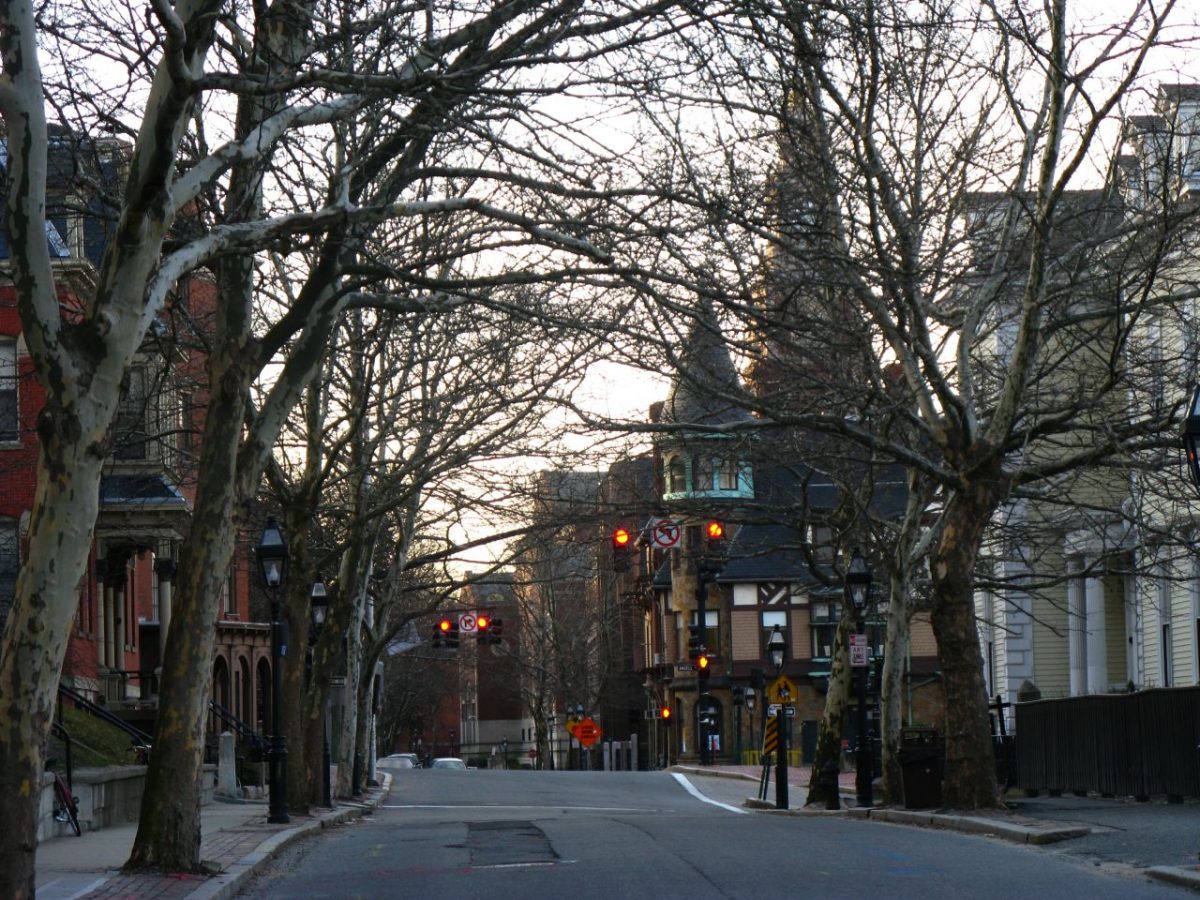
column 401, row 761
column 448, row 762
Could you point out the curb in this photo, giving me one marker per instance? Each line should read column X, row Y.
column 1188, row 878
column 236, row 875
column 712, row 773
column 1008, row 831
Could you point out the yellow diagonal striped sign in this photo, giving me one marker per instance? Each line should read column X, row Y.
column 771, row 736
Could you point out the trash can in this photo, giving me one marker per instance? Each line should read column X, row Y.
column 921, row 758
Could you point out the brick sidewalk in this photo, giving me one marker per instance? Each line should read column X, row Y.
column 221, row 849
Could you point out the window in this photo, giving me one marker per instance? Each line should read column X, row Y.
column 1164, row 625
column 702, row 473
column 8, row 389
column 824, row 616
column 725, row 477
column 10, row 563
column 769, row 621
column 676, row 476
column 712, row 631
column 820, row 538
column 131, row 424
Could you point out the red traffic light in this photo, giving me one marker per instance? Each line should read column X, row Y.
column 444, row 626
column 621, row 538
column 482, row 623
column 715, row 531
column 666, row 712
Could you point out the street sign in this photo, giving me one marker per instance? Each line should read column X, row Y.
column 467, row 623
column 685, row 667
column 859, row 651
column 786, row 708
column 587, row 732
column 782, row 690
column 665, row 535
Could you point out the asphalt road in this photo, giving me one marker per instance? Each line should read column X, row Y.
column 583, row 835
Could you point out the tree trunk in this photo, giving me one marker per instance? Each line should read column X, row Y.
column 168, row 835
column 970, row 771
column 35, row 643
column 892, row 693
column 837, row 699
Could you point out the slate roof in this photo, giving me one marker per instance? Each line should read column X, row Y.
column 707, row 377
column 140, row 490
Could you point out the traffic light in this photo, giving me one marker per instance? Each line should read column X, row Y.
column 714, row 535
column 665, row 713
column 703, row 668
column 447, row 628
column 622, row 548
column 488, row 630
column 712, row 557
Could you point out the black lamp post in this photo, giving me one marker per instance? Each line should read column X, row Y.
column 858, row 592
column 272, row 564
column 750, row 700
column 775, row 646
column 739, row 699
column 318, row 609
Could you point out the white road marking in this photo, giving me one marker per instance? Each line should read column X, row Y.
column 694, row 791
column 502, row 805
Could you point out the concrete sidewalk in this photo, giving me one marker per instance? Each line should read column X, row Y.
column 235, row 838
column 1173, row 829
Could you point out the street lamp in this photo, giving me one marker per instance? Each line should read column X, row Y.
column 775, row 644
column 272, row 556
column 858, row 592
column 318, row 609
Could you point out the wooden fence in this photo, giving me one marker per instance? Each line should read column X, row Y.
column 1127, row 745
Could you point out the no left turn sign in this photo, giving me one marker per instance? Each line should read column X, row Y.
column 665, row 534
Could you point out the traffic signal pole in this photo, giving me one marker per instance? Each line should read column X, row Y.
column 702, row 674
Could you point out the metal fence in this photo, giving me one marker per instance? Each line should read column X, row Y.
column 1128, row 745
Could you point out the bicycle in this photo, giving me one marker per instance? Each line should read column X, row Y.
column 66, row 805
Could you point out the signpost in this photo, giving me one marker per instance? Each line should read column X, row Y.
column 782, row 690
column 587, row 732
column 665, row 535
column 859, row 651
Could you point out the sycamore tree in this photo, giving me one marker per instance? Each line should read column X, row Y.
column 293, row 128
column 957, row 192
column 432, row 407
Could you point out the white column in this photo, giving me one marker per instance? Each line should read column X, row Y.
column 101, row 621
column 1076, row 631
column 165, row 568
column 118, row 605
column 1097, row 652
column 110, row 626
